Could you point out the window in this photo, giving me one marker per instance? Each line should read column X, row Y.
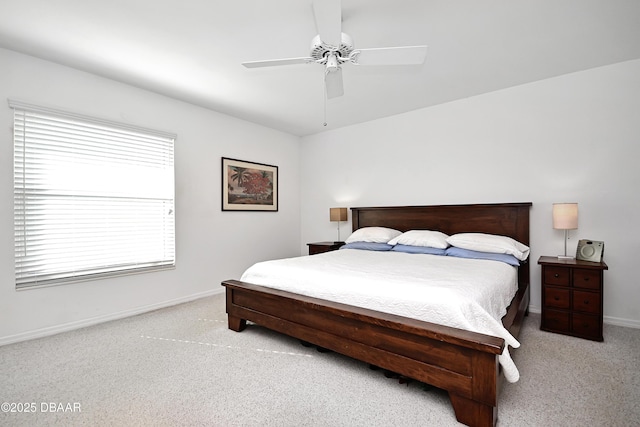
column 92, row 198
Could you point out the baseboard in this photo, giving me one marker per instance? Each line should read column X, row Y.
column 65, row 327
column 535, row 309
column 621, row 322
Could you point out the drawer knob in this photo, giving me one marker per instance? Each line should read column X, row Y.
column 586, row 302
column 586, row 279
column 556, row 275
column 556, row 298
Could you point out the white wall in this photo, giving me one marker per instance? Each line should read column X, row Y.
column 572, row 138
column 211, row 245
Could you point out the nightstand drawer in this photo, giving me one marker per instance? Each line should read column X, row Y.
column 556, row 276
column 555, row 297
column 557, row 321
column 586, row 301
column 586, row 326
column 589, row 279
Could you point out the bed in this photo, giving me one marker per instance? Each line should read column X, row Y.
column 463, row 363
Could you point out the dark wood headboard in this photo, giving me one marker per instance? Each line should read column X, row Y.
column 506, row 219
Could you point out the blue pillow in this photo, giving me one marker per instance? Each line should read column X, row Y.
column 419, row 249
column 369, row 246
column 466, row 253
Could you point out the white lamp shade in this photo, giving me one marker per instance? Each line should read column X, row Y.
column 565, row 216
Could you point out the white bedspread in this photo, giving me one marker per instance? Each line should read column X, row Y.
column 468, row 294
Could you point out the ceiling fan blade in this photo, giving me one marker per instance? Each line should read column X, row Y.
column 405, row 55
column 328, row 16
column 333, row 83
column 276, row 62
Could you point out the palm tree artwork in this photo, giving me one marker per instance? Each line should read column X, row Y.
column 252, row 186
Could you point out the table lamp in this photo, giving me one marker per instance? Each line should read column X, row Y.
column 339, row 215
column 565, row 217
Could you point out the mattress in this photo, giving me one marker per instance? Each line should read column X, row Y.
column 469, row 294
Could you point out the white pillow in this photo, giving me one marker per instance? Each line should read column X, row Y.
column 489, row 243
column 428, row 238
column 373, row 234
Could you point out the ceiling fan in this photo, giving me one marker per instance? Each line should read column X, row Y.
column 333, row 48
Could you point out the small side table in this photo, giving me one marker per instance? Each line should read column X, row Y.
column 572, row 297
column 320, row 247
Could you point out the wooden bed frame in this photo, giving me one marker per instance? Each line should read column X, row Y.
column 463, row 363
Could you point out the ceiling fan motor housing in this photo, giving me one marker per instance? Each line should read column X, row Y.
column 320, row 51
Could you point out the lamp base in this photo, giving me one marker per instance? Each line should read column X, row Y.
column 566, row 257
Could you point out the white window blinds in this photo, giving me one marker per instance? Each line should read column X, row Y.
column 91, row 198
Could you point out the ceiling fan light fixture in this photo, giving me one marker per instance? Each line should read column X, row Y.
column 332, row 62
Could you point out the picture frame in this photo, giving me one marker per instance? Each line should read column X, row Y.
column 249, row 186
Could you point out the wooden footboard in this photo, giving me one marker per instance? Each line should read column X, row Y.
column 461, row 362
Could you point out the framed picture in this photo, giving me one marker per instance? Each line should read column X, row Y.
column 249, row 186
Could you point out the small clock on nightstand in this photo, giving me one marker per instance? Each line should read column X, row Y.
column 320, row 247
column 572, row 297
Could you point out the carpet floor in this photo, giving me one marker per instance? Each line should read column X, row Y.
column 181, row 366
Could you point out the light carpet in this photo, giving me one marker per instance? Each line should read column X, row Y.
column 181, row 366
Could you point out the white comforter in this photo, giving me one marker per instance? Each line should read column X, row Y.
column 468, row 294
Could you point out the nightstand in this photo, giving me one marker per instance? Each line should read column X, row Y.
column 572, row 297
column 320, row 247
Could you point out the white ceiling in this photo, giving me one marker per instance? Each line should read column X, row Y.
column 192, row 49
